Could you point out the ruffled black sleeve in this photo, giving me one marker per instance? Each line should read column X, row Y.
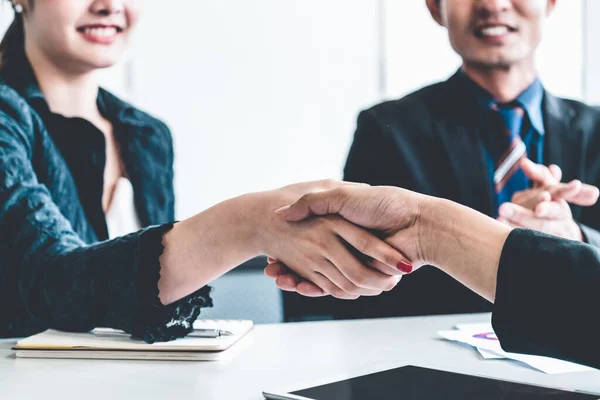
column 50, row 278
column 156, row 322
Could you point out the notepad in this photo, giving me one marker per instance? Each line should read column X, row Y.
column 56, row 344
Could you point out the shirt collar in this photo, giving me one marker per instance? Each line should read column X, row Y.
column 530, row 99
column 21, row 77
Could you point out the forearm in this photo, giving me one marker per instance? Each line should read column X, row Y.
column 202, row 248
column 464, row 243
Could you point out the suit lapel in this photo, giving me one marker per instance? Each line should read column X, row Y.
column 564, row 140
column 459, row 133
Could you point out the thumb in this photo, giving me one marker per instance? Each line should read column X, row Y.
column 556, row 172
column 540, row 175
column 586, row 195
column 566, row 191
column 317, row 203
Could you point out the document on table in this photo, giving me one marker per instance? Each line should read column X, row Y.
column 482, row 337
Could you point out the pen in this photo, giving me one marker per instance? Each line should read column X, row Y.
column 196, row 333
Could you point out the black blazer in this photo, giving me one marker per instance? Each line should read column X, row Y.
column 430, row 142
column 555, row 316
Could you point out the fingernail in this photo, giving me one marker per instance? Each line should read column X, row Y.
column 405, row 267
column 282, row 209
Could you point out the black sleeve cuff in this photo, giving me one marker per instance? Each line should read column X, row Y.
column 155, row 322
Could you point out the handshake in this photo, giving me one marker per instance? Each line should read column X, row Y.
column 406, row 230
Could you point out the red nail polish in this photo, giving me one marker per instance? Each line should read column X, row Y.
column 405, row 267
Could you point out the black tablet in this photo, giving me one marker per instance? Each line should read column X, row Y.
column 416, row 383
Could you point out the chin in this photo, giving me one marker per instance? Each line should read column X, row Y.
column 495, row 61
column 100, row 58
column 105, row 64
column 99, row 62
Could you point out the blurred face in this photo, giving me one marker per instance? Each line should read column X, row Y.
column 493, row 33
column 80, row 34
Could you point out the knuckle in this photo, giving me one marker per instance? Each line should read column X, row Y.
column 350, row 288
column 305, row 198
column 330, row 183
column 360, row 279
column 365, row 243
column 343, row 191
column 389, row 258
column 323, row 245
column 311, row 264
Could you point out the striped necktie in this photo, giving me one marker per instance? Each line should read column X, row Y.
column 507, row 149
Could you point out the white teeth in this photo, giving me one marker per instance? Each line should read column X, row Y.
column 495, row 31
column 101, row 32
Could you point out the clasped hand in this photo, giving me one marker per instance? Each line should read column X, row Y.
column 545, row 207
column 343, row 259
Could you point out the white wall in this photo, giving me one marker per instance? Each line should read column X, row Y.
column 5, row 16
column 258, row 93
column 560, row 60
column 418, row 52
column 592, row 51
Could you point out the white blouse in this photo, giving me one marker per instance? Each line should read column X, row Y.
column 121, row 217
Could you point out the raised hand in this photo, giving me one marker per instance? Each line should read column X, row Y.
column 545, row 207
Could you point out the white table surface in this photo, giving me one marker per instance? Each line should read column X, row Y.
column 271, row 356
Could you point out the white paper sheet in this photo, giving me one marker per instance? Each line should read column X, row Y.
column 489, row 355
column 483, row 338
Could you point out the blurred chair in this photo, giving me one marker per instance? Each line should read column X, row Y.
column 301, row 309
column 246, row 293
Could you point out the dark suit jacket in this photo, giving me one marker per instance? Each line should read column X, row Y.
column 555, row 316
column 430, row 142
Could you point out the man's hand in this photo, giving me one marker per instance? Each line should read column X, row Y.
column 459, row 241
column 551, row 217
column 391, row 211
column 545, row 207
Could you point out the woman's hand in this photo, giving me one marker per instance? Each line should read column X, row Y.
column 337, row 256
column 462, row 242
column 388, row 210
